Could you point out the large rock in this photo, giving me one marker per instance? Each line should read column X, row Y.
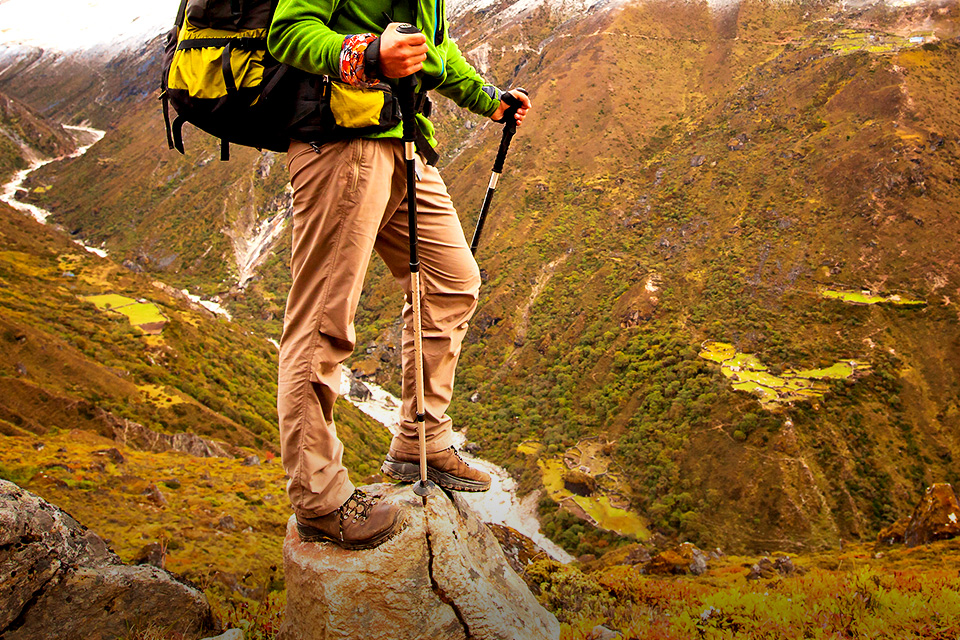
column 61, row 581
column 137, row 436
column 579, row 483
column 444, row 577
column 935, row 518
column 685, row 558
column 893, row 533
column 519, row 550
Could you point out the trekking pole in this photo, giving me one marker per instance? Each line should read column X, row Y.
column 509, row 129
column 423, row 487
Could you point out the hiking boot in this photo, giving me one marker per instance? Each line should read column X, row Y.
column 362, row 522
column 446, row 468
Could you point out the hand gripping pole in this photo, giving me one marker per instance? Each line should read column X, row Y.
column 509, row 129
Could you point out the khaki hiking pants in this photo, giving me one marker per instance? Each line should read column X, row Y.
column 349, row 198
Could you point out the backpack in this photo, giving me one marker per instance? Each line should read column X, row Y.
column 219, row 76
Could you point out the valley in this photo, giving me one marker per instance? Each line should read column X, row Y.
column 719, row 306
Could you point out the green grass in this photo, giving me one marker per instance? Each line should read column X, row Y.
column 109, row 301
column 160, row 396
column 747, row 373
column 138, row 313
column 612, row 518
column 838, row 371
column 860, row 297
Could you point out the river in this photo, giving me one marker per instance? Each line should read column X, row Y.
column 499, row 505
column 9, row 196
column 10, row 189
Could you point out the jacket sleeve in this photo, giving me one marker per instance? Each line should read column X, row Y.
column 300, row 37
column 463, row 84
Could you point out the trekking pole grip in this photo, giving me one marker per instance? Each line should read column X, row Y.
column 514, row 103
column 509, row 127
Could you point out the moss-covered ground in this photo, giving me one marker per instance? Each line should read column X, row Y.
column 857, row 592
column 113, row 499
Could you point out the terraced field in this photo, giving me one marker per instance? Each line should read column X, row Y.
column 748, row 373
column 144, row 315
column 605, row 507
column 868, row 297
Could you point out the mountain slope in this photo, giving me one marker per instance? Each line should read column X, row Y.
column 690, row 174
column 25, row 136
column 69, row 364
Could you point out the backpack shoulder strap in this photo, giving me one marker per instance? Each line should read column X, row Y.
column 181, row 12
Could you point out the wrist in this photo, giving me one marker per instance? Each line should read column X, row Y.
column 353, row 69
column 494, row 94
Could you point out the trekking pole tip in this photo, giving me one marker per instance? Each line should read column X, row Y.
column 424, row 488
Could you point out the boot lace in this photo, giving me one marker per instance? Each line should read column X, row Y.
column 357, row 507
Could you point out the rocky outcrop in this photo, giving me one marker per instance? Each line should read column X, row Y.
column 893, row 533
column 579, row 483
column 136, row 436
column 685, row 558
column 935, row 518
column 61, row 581
column 443, row 577
column 780, row 566
column 519, row 550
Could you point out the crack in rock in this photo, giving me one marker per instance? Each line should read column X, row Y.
column 437, row 589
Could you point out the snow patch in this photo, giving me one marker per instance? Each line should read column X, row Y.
column 210, row 305
column 69, row 26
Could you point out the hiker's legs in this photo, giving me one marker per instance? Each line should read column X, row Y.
column 450, row 284
column 339, row 199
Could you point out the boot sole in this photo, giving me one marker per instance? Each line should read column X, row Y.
column 410, row 472
column 309, row 534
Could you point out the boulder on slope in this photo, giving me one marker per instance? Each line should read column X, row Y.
column 444, row 577
column 61, row 581
column 937, row 517
column 685, row 558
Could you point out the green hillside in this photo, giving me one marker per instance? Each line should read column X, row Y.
column 68, row 363
column 688, row 176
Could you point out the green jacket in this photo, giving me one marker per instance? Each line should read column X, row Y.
column 301, row 37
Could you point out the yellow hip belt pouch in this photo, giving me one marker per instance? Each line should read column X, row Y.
column 372, row 109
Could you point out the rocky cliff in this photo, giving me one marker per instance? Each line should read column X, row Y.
column 61, row 581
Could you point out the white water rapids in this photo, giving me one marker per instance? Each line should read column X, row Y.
column 499, row 505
